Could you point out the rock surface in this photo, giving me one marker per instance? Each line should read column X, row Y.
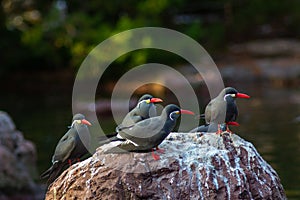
column 194, row 166
column 17, row 162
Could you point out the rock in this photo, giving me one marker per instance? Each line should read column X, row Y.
column 17, row 158
column 194, row 166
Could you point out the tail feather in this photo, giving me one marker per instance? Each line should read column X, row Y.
column 54, row 171
column 46, row 174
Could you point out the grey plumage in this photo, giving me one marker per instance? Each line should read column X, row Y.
column 143, row 110
column 72, row 146
column 149, row 133
column 221, row 110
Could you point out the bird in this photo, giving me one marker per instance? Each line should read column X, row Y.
column 209, row 128
column 149, row 133
column 70, row 148
column 222, row 109
column 144, row 109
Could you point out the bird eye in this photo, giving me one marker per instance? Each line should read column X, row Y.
column 233, row 95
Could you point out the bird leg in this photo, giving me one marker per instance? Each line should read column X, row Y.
column 232, row 124
column 219, row 131
column 160, row 150
column 227, row 129
column 155, row 156
column 69, row 162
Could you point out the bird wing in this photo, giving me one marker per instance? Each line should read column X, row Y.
column 141, row 133
column 208, row 112
column 130, row 119
column 64, row 147
column 84, row 134
column 216, row 111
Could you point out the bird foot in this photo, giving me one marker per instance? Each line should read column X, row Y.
column 69, row 162
column 219, row 131
column 229, row 131
column 155, row 156
column 160, row 150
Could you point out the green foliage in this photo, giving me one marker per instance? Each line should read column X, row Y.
column 59, row 34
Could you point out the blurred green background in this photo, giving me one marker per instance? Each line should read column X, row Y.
column 44, row 42
column 59, row 34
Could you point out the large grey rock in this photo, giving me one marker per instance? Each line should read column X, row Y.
column 17, row 162
column 194, row 166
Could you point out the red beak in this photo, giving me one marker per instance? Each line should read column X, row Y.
column 241, row 95
column 156, row 100
column 187, row 112
column 84, row 121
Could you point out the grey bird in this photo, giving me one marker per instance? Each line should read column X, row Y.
column 149, row 133
column 222, row 109
column 143, row 110
column 70, row 148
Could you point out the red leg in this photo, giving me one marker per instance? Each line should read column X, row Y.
column 227, row 129
column 160, row 150
column 155, row 156
column 70, row 162
column 219, row 131
column 232, row 124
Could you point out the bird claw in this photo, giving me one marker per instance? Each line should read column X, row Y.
column 155, row 156
column 160, row 150
column 219, row 131
column 69, row 162
column 228, row 130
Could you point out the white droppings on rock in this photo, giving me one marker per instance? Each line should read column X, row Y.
column 197, row 166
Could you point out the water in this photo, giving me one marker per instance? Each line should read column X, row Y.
column 272, row 127
column 43, row 112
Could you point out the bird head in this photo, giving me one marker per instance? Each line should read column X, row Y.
column 232, row 93
column 80, row 119
column 146, row 105
column 174, row 111
column 147, row 98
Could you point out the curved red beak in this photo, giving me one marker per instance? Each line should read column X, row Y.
column 156, row 100
column 86, row 122
column 188, row 112
column 241, row 95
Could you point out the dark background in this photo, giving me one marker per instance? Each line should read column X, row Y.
column 254, row 43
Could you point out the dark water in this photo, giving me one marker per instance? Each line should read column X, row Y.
column 267, row 120
column 272, row 127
